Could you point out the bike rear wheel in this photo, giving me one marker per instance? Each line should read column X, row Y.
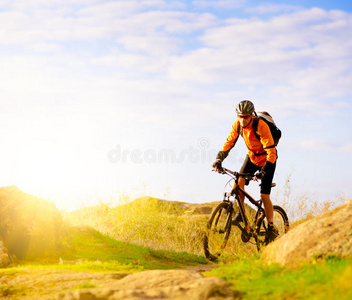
column 280, row 222
column 218, row 230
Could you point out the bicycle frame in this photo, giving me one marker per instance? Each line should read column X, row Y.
column 242, row 209
column 236, row 191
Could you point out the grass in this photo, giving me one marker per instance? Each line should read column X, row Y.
column 7, row 290
column 146, row 221
column 89, row 250
column 251, row 278
column 145, row 235
column 85, row 285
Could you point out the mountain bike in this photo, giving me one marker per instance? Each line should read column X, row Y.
column 220, row 222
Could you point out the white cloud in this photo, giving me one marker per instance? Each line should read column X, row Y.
column 273, row 8
column 46, row 47
column 302, row 56
column 346, row 148
column 134, row 25
column 110, row 9
column 223, row 4
column 173, row 22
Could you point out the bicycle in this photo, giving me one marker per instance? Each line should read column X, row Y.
column 220, row 221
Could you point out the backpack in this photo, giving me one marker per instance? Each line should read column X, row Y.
column 267, row 118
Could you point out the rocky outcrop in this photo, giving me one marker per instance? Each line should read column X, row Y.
column 158, row 284
column 5, row 258
column 330, row 234
column 29, row 226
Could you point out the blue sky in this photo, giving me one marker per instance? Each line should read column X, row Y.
column 101, row 98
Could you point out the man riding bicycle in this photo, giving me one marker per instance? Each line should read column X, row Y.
column 262, row 156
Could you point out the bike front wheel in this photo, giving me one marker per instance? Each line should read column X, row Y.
column 218, row 230
column 281, row 223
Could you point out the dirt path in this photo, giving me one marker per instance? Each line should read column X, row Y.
column 201, row 268
column 28, row 283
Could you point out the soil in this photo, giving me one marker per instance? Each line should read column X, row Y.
column 41, row 283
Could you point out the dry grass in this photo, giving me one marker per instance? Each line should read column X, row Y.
column 158, row 224
column 146, row 221
column 300, row 207
column 167, row 225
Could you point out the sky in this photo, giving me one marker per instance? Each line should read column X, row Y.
column 100, row 99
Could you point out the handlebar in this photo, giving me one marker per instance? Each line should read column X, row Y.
column 247, row 176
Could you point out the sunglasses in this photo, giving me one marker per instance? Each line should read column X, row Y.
column 244, row 117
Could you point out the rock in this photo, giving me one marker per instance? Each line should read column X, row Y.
column 330, row 234
column 29, row 226
column 158, row 284
column 5, row 258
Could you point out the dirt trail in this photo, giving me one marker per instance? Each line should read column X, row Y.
column 201, row 268
column 28, row 283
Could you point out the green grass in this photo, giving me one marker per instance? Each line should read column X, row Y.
column 89, row 250
column 251, row 278
column 85, row 285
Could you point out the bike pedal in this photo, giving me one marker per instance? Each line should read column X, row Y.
column 245, row 237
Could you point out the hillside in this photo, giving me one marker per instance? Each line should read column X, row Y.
column 33, row 230
column 29, row 226
column 95, row 261
column 154, row 223
column 128, row 252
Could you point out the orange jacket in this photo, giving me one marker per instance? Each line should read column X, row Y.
column 259, row 151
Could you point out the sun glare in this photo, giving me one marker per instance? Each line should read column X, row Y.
column 50, row 171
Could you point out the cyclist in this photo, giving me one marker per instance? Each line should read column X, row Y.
column 262, row 156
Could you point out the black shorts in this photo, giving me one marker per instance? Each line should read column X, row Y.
column 249, row 167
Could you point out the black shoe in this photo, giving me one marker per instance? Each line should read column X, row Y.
column 271, row 235
column 237, row 218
